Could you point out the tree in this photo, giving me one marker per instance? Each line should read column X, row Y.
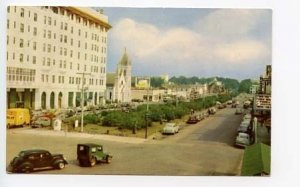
column 245, row 86
column 156, row 82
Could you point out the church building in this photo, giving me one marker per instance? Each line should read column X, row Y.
column 118, row 84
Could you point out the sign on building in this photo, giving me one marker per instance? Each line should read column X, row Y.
column 262, row 102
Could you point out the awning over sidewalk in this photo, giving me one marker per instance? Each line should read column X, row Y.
column 257, row 160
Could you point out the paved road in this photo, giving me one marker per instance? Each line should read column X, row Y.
column 205, row 148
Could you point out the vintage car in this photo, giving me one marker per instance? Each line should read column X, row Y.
column 242, row 140
column 41, row 122
column 212, row 110
column 239, row 111
column 36, row 159
column 90, row 154
column 170, row 128
column 193, row 120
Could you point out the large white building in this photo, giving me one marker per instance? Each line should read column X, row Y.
column 48, row 51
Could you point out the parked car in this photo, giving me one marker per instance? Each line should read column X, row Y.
column 36, row 159
column 221, row 106
column 41, row 122
column 170, row 128
column 212, row 110
column 242, row 140
column 90, row 154
column 244, row 129
column 239, row 111
column 193, row 120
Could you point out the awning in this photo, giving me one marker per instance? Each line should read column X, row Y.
column 257, row 160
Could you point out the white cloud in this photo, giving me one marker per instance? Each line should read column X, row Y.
column 241, row 51
column 229, row 23
column 223, row 39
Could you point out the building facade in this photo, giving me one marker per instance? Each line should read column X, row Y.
column 119, row 83
column 52, row 52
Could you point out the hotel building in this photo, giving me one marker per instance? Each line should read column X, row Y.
column 52, row 52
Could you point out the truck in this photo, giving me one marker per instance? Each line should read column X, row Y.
column 17, row 117
column 89, row 154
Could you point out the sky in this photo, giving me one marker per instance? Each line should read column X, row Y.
column 233, row 43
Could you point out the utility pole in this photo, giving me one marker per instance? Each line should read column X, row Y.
column 147, row 111
column 82, row 97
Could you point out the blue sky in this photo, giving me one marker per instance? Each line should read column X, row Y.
column 233, row 43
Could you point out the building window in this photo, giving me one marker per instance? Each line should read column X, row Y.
column 7, row 24
column 49, row 48
column 66, row 26
column 7, row 40
column 34, row 45
column 65, row 51
column 44, row 47
column 61, row 25
column 65, row 39
column 71, row 41
column 71, row 53
column 28, row 28
column 71, row 30
column 44, row 33
column 21, row 57
column 34, row 31
column 49, row 21
column 78, row 55
column 49, row 34
column 8, row 9
column 43, row 77
column 79, row 32
column 53, row 78
column 21, row 27
column 22, row 12
column 35, row 17
column 78, row 43
column 48, row 61
column 34, row 59
column 45, row 19
column 21, row 43
column 65, row 64
column 44, row 61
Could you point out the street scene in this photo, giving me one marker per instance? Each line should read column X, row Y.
column 114, row 91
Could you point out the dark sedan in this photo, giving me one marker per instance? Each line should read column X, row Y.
column 36, row 159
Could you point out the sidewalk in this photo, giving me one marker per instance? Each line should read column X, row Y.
column 43, row 132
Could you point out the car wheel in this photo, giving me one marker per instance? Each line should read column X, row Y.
column 61, row 165
column 108, row 159
column 93, row 161
column 27, row 169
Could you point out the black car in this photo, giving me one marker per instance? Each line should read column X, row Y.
column 36, row 159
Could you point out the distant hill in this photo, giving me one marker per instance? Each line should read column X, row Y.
column 229, row 83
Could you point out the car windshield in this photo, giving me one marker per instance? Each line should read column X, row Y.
column 21, row 154
column 170, row 125
column 244, row 136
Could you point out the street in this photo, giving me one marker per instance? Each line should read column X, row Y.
column 205, row 148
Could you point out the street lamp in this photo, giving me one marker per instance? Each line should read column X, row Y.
column 83, row 89
column 147, row 111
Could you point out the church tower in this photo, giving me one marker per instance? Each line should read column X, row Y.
column 123, row 79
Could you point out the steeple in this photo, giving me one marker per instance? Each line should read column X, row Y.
column 125, row 60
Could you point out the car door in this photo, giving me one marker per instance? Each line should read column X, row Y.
column 45, row 159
